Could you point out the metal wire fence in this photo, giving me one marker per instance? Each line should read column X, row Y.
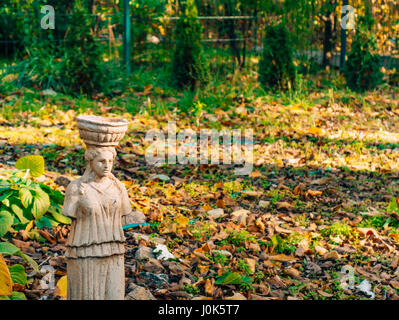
column 229, row 39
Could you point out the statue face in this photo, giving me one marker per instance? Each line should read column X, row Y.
column 102, row 164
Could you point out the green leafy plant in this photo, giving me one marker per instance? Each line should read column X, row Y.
column 34, row 163
column 83, row 64
column 191, row 289
column 220, row 258
column 337, row 229
column 276, row 66
column 190, row 68
column 238, row 238
column 362, row 69
column 144, row 14
column 243, row 266
column 259, row 276
column 231, row 278
column 292, row 240
column 7, row 248
column 14, row 273
column 393, row 206
column 23, row 200
column 234, row 278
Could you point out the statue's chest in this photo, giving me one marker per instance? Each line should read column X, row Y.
column 103, row 200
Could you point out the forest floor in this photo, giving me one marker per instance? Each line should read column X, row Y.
column 318, row 207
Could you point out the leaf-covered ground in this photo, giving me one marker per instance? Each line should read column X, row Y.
column 320, row 198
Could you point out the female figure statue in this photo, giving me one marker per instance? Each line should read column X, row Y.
column 96, row 203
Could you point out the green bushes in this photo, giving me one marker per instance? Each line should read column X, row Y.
column 362, row 69
column 189, row 65
column 8, row 33
column 276, row 67
column 144, row 14
column 68, row 59
column 25, row 202
column 25, row 206
column 13, row 274
column 82, row 67
column 15, row 16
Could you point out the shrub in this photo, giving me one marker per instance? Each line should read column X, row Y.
column 7, row 32
column 276, row 66
column 15, row 25
column 74, row 64
column 362, row 69
column 83, row 65
column 23, row 200
column 15, row 273
column 144, row 14
column 189, row 65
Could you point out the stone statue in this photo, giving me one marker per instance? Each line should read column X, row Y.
column 96, row 203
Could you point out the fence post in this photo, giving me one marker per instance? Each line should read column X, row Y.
column 126, row 35
column 343, row 40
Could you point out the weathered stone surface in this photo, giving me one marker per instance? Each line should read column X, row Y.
column 143, row 253
column 139, row 293
column 216, row 213
column 96, row 203
column 134, row 217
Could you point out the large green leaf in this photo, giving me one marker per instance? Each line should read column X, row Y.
column 55, row 195
column 46, row 222
column 4, row 186
column 229, row 278
column 7, row 248
column 6, row 221
column 18, row 296
column 6, row 194
column 19, row 213
column 59, row 217
column 41, row 203
column 26, row 197
column 18, row 274
column 34, row 163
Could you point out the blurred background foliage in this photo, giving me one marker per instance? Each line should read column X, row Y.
column 232, row 33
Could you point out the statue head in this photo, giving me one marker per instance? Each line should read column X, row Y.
column 100, row 160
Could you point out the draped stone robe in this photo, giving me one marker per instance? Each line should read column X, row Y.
column 95, row 247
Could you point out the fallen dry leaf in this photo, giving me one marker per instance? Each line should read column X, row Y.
column 281, row 257
column 5, row 279
column 209, row 289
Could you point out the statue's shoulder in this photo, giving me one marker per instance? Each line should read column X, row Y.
column 120, row 184
column 74, row 186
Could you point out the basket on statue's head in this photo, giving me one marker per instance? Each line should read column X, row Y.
column 101, row 131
